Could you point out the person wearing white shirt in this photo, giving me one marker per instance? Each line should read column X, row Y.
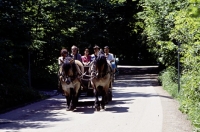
column 110, row 58
column 63, row 55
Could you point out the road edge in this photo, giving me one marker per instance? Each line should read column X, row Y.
column 173, row 119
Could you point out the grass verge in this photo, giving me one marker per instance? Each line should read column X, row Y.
column 188, row 96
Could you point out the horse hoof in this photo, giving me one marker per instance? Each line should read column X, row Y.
column 97, row 108
column 103, row 110
column 103, row 107
column 70, row 109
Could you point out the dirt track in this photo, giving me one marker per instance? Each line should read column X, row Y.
column 139, row 105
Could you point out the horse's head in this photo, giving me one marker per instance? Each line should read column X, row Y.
column 68, row 70
column 101, row 64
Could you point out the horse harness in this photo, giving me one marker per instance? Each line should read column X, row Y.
column 95, row 73
column 71, row 78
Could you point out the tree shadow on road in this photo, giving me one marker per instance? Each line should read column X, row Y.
column 143, row 80
column 116, row 106
column 36, row 115
column 87, row 107
column 117, row 109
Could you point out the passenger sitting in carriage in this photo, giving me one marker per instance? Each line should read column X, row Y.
column 86, row 58
column 96, row 51
column 75, row 55
column 63, row 54
column 110, row 58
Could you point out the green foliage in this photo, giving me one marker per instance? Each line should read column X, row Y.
column 169, row 80
column 159, row 21
column 190, row 39
column 168, row 23
column 189, row 95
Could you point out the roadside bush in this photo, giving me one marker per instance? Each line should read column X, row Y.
column 12, row 96
column 168, row 78
column 189, row 96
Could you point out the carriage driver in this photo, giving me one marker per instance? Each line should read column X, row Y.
column 96, row 51
column 110, row 58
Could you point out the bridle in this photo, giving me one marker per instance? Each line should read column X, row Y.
column 96, row 74
column 67, row 78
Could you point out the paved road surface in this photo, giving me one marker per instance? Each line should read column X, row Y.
column 139, row 105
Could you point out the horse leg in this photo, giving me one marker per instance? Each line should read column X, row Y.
column 75, row 99
column 106, row 98
column 96, row 103
column 59, row 90
column 71, row 106
column 68, row 99
column 103, row 101
column 76, row 94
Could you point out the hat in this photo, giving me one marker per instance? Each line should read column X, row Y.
column 96, row 47
column 106, row 47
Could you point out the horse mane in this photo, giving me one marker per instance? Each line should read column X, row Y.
column 67, row 65
column 101, row 61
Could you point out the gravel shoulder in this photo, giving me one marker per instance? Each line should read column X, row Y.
column 173, row 119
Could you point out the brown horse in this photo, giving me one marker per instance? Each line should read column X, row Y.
column 70, row 81
column 101, row 79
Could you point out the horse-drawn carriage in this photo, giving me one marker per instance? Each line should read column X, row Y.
column 94, row 80
column 86, row 87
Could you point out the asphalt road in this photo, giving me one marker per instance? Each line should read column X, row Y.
column 139, row 105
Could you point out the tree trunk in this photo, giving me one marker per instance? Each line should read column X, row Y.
column 29, row 70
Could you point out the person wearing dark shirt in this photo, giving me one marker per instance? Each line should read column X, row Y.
column 96, row 51
column 75, row 55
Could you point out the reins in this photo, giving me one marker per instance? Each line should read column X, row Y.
column 93, row 73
